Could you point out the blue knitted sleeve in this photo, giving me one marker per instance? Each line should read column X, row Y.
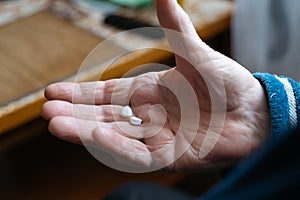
column 284, row 103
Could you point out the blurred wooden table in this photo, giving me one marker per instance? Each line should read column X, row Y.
column 42, row 49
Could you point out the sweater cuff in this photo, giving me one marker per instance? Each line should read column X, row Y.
column 284, row 103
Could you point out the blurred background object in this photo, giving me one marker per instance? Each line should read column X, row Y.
column 132, row 3
column 181, row 1
column 266, row 36
column 12, row 10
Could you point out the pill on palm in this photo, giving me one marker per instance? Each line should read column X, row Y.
column 126, row 112
column 135, row 121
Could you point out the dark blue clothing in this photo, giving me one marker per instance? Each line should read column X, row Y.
column 271, row 173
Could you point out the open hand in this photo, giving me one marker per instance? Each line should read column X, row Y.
column 204, row 114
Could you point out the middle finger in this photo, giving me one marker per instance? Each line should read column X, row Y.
column 103, row 113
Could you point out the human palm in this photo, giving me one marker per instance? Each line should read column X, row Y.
column 206, row 113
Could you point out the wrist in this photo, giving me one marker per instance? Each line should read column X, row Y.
column 262, row 128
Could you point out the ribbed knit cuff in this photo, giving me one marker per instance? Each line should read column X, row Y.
column 284, row 103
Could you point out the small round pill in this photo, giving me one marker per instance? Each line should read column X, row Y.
column 135, row 121
column 126, row 112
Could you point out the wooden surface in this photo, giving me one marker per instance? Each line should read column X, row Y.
column 35, row 52
column 39, row 50
column 43, row 49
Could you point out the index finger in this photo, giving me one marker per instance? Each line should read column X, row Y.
column 91, row 93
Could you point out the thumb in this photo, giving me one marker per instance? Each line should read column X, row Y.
column 172, row 16
column 181, row 34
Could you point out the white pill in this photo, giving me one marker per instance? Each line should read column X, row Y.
column 135, row 121
column 126, row 112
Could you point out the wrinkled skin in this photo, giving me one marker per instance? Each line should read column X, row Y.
column 90, row 114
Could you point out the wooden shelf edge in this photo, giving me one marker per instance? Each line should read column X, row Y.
column 21, row 115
